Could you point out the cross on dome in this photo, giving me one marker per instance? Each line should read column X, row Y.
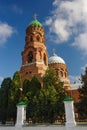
column 55, row 58
column 54, row 51
column 35, row 16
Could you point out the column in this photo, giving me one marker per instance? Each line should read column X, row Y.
column 21, row 114
column 69, row 112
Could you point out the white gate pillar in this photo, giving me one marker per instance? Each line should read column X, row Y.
column 69, row 112
column 21, row 114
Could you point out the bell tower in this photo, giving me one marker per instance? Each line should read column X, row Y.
column 34, row 55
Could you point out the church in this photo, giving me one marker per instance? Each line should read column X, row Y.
column 35, row 60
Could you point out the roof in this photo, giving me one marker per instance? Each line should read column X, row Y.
column 56, row 59
column 68, row 99
column 21, row 103
column 35, row 23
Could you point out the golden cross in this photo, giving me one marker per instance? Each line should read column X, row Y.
column 35, row 16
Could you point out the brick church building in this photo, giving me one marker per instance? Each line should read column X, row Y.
column 35, row 59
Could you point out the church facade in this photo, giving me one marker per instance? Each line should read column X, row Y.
column 35, row 60
column 34, row 55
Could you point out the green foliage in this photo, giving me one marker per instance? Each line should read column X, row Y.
column 47, row 96
column 35, row 86
column 4, row 98
column 50, row 77
column 9, row 97
column 44, row 103
column 31, row 89
column 4, row 92
column 26, row 86
column 14, row 94
column 82, row 106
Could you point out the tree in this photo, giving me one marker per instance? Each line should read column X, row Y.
column 4, row 98
column 31, row 90
column 14, row 94
column 5, row 88
column 50, row 77
column 82, row 106
column 56, row 93
column 9, row 97
column 47, row 102
column 35, row 86
column 26, row 91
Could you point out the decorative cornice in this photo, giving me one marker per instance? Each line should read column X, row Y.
column 28, row 64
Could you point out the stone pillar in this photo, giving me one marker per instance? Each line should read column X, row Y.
column 69, row 112
column 21, row 114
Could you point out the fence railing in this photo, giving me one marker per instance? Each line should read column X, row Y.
column 8, row 116
column 40, row 114
column 48, row 113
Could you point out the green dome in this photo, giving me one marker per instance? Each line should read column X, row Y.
column 35, row 23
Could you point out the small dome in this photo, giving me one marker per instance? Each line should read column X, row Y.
column 56, row 59
column 35, row 23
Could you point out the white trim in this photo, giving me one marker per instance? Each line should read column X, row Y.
column 28, row 64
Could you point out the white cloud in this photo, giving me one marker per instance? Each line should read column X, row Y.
column 59, row 27
column 6, row 31
column 81, row 42
column 69, row 18
column 83, row 67
column 74, row 79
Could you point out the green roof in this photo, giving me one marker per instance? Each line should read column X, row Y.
column 35, row 23
column 68, row 99
column 21, row 103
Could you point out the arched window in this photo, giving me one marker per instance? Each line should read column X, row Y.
column 40, row 54
column 65, row 74
column 61, row 74
column 44, row 59
column 56, row 72
column 38, row 38
column 30, row 56
column 31, row 38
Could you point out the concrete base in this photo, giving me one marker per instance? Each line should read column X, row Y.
column 18, row 127
column 70, row 124
column 71, row 128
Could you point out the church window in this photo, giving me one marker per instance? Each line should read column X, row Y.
column 30, row 56
column 38, row 38
column 61, row 74
column 31, row 39
column 44, row 59
column 30, row 72
column 56, row 72
column 65, row 74
column 26, row 73
column 40, row 54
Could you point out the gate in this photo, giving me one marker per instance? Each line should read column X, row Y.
column 45, row 113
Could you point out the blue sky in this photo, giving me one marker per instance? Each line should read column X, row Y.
column 65, row 23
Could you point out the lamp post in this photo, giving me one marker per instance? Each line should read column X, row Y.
column 21, row 92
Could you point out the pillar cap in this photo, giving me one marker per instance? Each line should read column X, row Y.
column 21, row 103
column 68, row 99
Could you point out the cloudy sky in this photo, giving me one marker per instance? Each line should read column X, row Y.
column 65, row 23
